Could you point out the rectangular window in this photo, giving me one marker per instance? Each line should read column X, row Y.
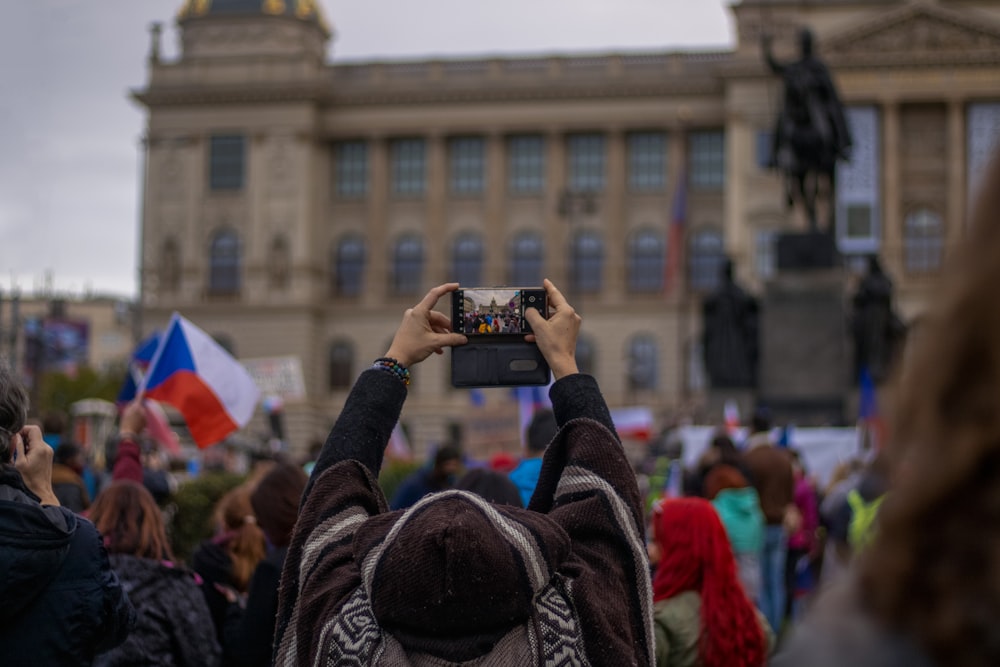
column 764, row 153
column 586, row 162
column 647, row 161
column 227, row 157
column 707, row 159
column 858, row 186
column 767, row 253
column 526, row 164
column 351, row 165
column 467, row 157
column 409, row 166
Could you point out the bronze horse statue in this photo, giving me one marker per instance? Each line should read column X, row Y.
column 811, row 132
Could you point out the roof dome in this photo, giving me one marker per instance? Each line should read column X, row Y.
column 308, row 10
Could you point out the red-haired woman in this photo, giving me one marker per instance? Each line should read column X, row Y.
column 174, row 626
column 702, row 616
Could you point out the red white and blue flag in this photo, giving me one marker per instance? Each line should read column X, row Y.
column 871, row 427
column 194, row 374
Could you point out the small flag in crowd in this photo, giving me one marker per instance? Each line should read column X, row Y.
column 193, row 373
column 137, row 366
column 398, row 448
column 731, row 416
column 871, row 428
column 634, row 423
column 674, row 487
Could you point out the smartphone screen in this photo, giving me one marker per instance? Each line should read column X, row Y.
column 495, row 311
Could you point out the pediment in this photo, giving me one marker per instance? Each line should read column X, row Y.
column 916, row 34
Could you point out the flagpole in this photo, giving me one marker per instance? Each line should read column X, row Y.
column 140, row 392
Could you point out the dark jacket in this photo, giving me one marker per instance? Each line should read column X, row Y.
column 214, row 566
column 582, row 595
column 174, row 626
column 248, row 634
column 60, row 601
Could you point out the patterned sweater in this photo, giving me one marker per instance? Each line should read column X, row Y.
column 455, row 580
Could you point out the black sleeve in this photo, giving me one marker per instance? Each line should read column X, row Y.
column 363, row 428
column 119, row 615
column 248, row 634
column 576, row 396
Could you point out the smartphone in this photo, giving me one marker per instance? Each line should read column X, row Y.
column 495, row 311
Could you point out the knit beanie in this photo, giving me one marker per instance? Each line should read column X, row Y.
column 455, row 566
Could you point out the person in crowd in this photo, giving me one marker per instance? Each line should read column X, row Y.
column 924, row 591
column 541, row 429
column 771, row 470
column 249, row 630
column 67, row 482
column 720, row 451
column 455, row 579
column 703, row 617
column 174, row 625
column 61, row 601
column 836, row 554
column 437, row 477
column 738, row 505
column 230, row 557
column 494, row 486
column 802, row 542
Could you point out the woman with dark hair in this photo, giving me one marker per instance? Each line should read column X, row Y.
column 703, row 617
column 249, row 632
column 174, row 625
column 925, row 591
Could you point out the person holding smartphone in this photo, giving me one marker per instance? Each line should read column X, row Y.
column 455, row 578
column 60, row 601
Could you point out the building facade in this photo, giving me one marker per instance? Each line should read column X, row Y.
column 295, row 206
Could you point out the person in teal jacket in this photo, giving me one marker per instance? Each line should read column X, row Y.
column 738, row 505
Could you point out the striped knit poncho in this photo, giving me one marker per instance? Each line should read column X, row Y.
column 455, row 580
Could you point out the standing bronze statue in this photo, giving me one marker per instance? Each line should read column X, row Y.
column 811, row 132
column 877, row 329
column 730, row 337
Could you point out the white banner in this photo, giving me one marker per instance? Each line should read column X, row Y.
column 278, row 376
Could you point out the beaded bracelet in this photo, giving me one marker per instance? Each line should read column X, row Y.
column 394, row 367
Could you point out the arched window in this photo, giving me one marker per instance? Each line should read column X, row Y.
column 408, row 265
column 642, row 363
column 586, row 355
column 526, row 258
column 279, row 264
column 170, row 266
column 645, row 262
column 341, row 365
column 586, row 262
column 706, row 257
column 224, row 263
column 349, row 266
column 923, row 241
column 467, row 260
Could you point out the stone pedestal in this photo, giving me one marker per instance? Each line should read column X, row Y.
column 804, row 357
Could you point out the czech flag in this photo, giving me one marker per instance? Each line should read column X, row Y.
column 137, row 367
column 193, row 373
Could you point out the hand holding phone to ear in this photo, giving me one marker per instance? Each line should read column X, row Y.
column 34, row 462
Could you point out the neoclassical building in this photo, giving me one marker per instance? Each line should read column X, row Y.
column 294, row 205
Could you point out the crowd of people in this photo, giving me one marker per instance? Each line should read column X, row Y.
column 553, row 559
column 486, row 323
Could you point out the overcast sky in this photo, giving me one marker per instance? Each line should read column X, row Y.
column 69, row 134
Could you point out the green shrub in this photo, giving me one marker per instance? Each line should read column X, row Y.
column 193, row 505
column 393, row 473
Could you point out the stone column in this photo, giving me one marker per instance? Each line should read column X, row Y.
column 892, row 222
column 376, row 282
column 612, row 213
column 436, row 245
column 495, row 225
column 555, row 232
column 954, row 217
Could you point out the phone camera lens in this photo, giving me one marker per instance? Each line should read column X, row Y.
column 531, row 299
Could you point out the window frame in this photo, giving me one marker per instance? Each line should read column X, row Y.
column 227, row 162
